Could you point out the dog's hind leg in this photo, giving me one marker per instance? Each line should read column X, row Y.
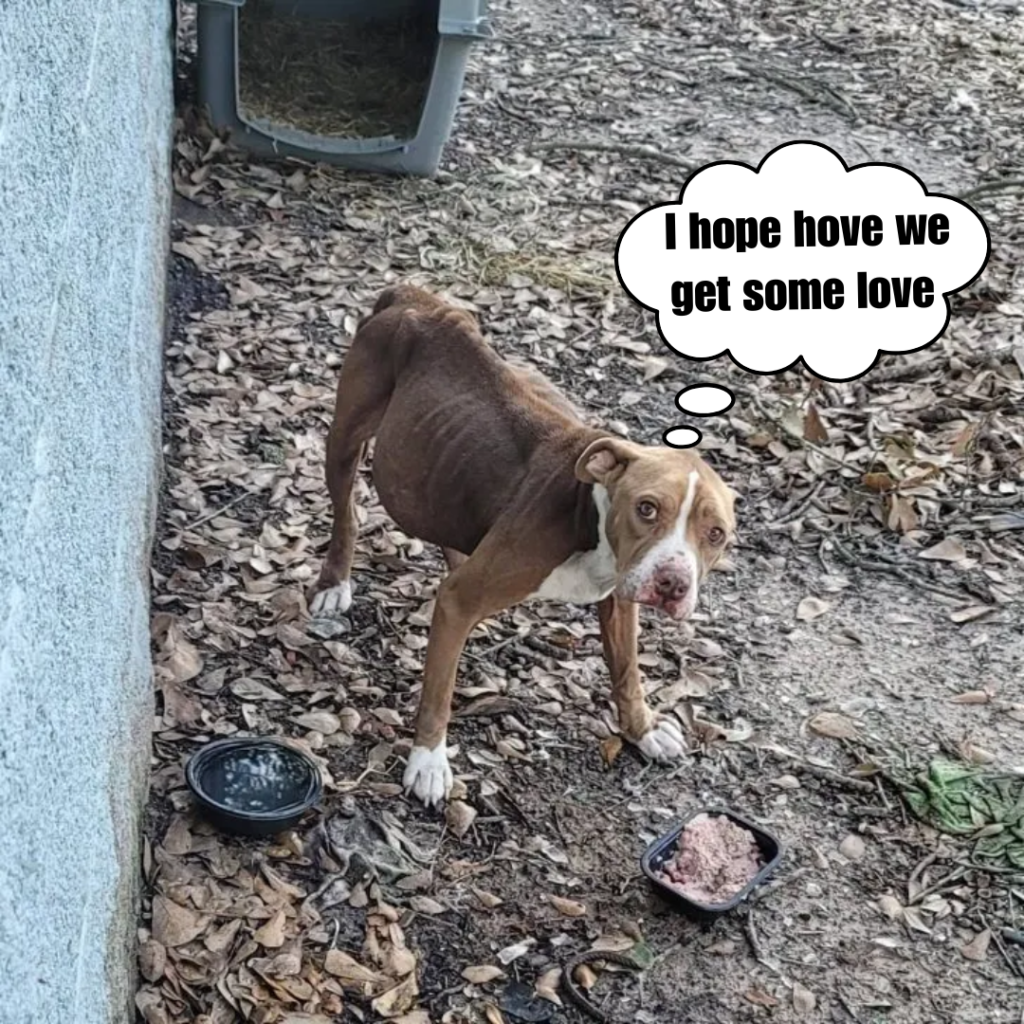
column 363, row 393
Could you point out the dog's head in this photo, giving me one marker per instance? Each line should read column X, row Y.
column 668, row 517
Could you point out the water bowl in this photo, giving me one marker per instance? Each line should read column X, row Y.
column 251, row 786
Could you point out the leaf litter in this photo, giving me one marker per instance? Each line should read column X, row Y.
column 892, row 501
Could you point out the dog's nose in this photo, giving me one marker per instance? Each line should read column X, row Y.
column 671, row 586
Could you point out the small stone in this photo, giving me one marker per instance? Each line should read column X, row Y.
column 852, row 847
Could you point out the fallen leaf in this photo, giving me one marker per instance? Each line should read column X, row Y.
column 271, row 935
column 654, row 366
column 219, row 939
column 425, row 905
column 584, row 977
column 483, row 974
column 547, row 985
column 947, row 550
column 460, row 817
column 970, row 612
column 515, row 951
column 568, row 908
column 611, row 747
column 971, row 697
column 152, row 960
column 878, row 482
column 759, row 997
column 252, row 689
column 833, row 725
column 398, row 1000
column 487, row 899
column 804, row 1000
column 977, row 948
column 811, row 608
column 173, row 924
column 325, row 722
column 814, row 429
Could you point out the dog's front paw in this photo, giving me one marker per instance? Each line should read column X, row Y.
column 664, row 742
column 332, row 602
column 428, row 775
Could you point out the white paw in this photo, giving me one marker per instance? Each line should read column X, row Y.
column 664, row 742
column 329, row 604
column 427, row 774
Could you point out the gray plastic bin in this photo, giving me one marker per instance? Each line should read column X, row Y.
column 367, row 84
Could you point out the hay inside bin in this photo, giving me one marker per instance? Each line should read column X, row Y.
column 339, row 77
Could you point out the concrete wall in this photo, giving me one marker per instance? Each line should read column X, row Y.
column 85, row 123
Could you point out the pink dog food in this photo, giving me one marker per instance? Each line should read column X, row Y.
column 714, row 860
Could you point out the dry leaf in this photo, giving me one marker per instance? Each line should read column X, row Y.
column 152, row 960
column 271, row 935
column 425, row 905
column 547, row 985
column 487, row 899
column 947, row 550
column 515, row 951
column 483, row 974
column 397, row 1000
column 584, row 977
column 351, row 973
column 977, row 948
column 460, row 817
column 759, row 997
column 493, row 1014
column 811, row 608
column 173, row 924
column 568, row 908
column 970, row 612
column 804, row 1001
column 611, row 747
column 833, row 725
column 814, row 429
column 319, row 721
column 971, row 697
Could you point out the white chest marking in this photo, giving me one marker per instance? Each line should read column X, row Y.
column 585, row 577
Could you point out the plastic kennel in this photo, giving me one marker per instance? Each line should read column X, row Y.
column 368, row 84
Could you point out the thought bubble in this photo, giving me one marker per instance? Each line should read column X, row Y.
column 697, row 400
column 802, row 258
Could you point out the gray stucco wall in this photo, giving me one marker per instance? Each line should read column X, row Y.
column 85, row 123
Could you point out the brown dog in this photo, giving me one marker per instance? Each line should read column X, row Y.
column 491, row 463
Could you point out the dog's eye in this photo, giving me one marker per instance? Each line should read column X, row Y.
column 716, row 535
column 647, row 510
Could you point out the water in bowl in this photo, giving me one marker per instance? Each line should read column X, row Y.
column 256, row 780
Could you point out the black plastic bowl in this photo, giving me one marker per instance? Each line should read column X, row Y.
column 662, row 849
column 253, row 787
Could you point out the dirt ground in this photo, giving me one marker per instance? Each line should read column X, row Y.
column 826, row 657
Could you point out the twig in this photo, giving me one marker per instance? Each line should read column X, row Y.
column 819, row 93
column 1014, row 969
column 893, row 570
column 641, row 150
column 223, row 508
column 992, row 186
column 801, row 508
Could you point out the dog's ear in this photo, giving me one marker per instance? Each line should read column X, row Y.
column 603, row 458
